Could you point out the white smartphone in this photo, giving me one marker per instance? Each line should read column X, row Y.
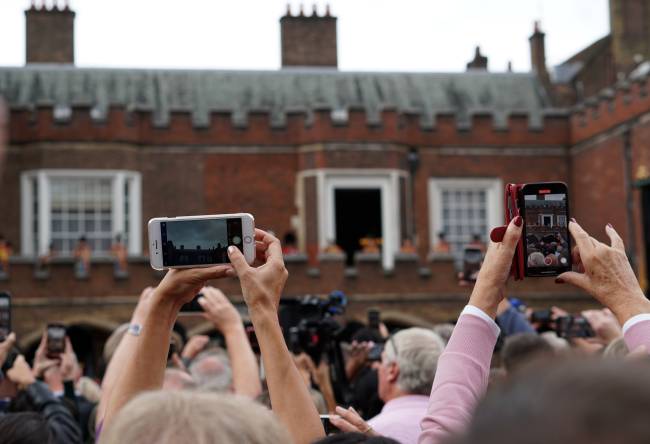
column 199, row 241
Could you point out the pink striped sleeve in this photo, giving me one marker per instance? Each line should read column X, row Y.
column 461, row 379
column 637, row 335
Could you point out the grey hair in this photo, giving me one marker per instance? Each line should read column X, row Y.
column 182, row 416
column 418, row 350
column 211, row 371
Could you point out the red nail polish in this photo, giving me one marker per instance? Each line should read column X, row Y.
column 518, row 221
column 609, row 225
column 573, row 220
column 559, row 281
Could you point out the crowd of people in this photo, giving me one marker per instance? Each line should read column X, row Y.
column 503, row 373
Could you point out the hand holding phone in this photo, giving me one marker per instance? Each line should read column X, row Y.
column 55, row 340
column 200, row 241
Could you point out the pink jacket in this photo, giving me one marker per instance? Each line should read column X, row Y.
column 463, row 370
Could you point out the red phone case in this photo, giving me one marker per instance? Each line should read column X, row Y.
column 511, row 211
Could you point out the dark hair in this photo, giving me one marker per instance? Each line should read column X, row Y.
column 522, row 348
column 355, row 438
column 367, row 334
column 580, row 402
column 24, row 428
column 289, row 239
column 82, row 238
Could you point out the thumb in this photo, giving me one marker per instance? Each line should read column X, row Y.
column 237, row 260
column 579, row 280
column 9, row 341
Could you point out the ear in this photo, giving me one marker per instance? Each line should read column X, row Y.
column 393, row 372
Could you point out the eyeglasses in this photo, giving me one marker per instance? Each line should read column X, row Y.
column 392, row 342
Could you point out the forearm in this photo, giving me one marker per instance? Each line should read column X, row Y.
column 461, row 378
column 144, row 368
column 245, row 371
column 289, row 395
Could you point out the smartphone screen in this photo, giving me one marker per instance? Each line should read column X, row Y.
column 547, row 244
column 5, row 315
column 200, row 241
column 55, row 340
column 373, row 318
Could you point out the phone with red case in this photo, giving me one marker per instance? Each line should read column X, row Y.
column 549, row 253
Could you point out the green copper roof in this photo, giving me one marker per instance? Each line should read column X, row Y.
column 278, row 92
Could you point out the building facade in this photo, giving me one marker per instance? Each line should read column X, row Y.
column 320, row 155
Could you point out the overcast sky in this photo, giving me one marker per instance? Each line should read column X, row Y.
column 206, row 233
column 373, row 35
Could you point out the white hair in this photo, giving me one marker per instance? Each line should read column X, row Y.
column 212, row 372
column 418, row 350
column 166, row 417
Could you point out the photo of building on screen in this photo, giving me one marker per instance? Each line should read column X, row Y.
column 546, row 225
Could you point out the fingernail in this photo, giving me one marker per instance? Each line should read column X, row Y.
column 609, row 225
column 559, row 281
column 339, row 409
column 231, row 249
column 573, row 220
column 518, row 221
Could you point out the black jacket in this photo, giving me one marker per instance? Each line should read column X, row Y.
column 63, row 427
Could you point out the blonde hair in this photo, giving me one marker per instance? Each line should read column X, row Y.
column 199, row 418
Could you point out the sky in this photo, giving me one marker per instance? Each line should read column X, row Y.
column 206, row 233
column 373, row 35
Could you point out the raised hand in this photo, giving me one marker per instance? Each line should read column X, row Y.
column 20, row 374
column 69, row 363
column 219, row 310
column 607, row 275
column 194, row 346
column 261, row 286
column 180, row 286
column 490, row 286
column 5, row 347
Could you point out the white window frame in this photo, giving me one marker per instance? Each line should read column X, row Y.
column 541, row 216
column 385, row 180
column 494, row 201
column 118, row 179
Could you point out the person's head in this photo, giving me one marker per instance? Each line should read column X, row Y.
column 118, row 238
column 200, row 418
column 113, row 341
column 442, row 235
column 289, row 239
column 444, row 331
column 82, row 239
column 408, row 363
column 211, row 371
column 616, row 349
column 24, row 428
column 177, row 380
column 536, row 259
column 522, row 348
column 577, row 402
column 476, row 237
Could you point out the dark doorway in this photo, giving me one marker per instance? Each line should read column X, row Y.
column 88, row 344
column 358, row 216
column 645, row 208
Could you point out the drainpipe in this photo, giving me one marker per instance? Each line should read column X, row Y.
column 629, row 204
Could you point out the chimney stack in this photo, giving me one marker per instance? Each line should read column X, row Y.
column 538, row 55
column 479, row 63
column 630, row 31
column 49, row 33
column 308, row 40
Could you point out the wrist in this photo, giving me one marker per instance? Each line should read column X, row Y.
column 630, row 308
column 232, row 329
column 162, row 307
column 486, row 301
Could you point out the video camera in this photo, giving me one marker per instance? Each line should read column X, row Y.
column 309, row 326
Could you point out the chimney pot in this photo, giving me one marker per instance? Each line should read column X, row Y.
column 288, row 14
column 302, row 10
column 479, row 62
column 328, row 13
column 314, row 11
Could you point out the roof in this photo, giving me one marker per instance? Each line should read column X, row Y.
column 566, row 71
column 201, row 92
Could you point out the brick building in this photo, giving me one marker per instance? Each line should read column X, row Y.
column 327, row 155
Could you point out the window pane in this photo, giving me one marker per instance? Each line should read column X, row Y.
column 85, row 203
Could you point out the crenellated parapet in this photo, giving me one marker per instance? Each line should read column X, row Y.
column 613, row 106
column 117, row 124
